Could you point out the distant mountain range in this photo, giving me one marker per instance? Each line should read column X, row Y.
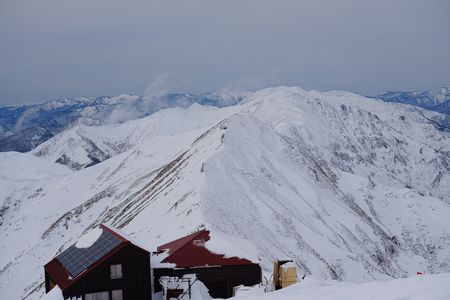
column 24, row 127
column 436, row 100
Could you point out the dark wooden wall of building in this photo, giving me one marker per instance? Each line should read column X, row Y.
column 219, row 280
column 135, row 283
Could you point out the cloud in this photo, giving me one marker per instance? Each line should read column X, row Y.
column 56, row 49
column 161, row 85
column 121, row 114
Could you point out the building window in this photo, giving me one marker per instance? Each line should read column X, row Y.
column 117, row 295
column 97, row 296
column 116, row 271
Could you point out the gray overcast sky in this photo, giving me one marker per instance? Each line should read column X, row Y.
column 66, row 48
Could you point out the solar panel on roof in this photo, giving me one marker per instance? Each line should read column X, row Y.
column 76, row 260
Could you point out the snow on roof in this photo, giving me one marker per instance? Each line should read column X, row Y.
column 190, row 251
column 89, row 239
column 177, row 244
column 221, row 243
column 288, row 265
column 158, row 257
column 76, row 260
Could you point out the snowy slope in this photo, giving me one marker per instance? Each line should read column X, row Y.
column 16, row 166
column 82, row 146
column 350, row 188
column 20, row 171
column 430, row 287
column 24, row 127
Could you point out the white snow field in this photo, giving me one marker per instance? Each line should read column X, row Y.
column 350, row 188
column 429, row 287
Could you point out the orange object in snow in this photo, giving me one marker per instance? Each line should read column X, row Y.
column 284, row 273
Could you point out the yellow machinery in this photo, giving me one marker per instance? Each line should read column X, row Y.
column 284, row 273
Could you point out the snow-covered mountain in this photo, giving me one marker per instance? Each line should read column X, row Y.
column 351, row 188
column 22, row 128
column 83, row 146
column 437, row 99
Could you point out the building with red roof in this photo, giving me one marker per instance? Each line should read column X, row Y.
column 112, row 267
column 189, row 255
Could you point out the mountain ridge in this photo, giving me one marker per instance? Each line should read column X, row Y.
column 436, row 100
column 350, row 188
column 24, row 127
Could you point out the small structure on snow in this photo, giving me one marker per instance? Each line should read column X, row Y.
column 284, row 273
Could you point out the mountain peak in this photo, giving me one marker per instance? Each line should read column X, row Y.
column 348, row 187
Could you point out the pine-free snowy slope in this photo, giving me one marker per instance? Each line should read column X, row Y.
column 24, row 127
column 430, row 287
column 350, row 188
column 82, row 146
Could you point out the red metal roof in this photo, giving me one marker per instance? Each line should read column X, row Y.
column 58, row 274
column 190, row 251
column 61, row 276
